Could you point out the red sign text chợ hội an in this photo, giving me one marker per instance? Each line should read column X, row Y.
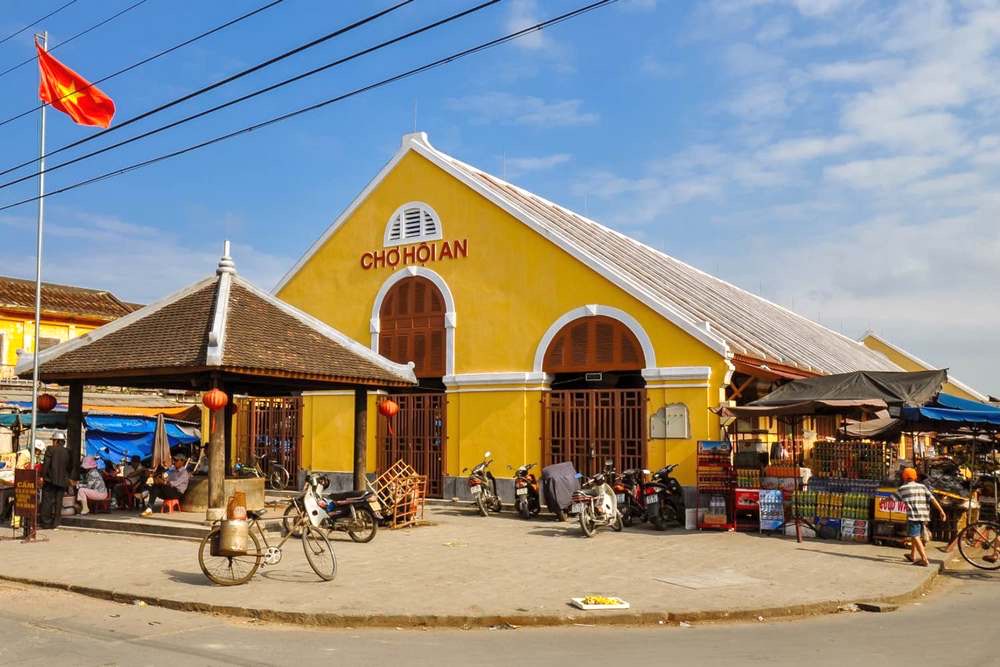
column 420, row 253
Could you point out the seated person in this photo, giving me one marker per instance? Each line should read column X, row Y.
column 91, row 485
column 171, row 485
column 135, row 475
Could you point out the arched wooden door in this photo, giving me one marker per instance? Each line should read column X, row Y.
column 587, row 426
column 412, row 328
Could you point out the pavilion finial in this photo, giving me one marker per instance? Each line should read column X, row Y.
column 226, row 263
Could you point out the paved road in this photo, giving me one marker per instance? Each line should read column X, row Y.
column 951, row 626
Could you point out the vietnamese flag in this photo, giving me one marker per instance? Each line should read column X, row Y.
column 70, row 93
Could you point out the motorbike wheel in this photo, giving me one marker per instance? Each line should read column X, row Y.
column 497, row 504
column 562, row 517
column 626, row 519
column 481, row 504
column 587, row 522
column 619, row 523
column 522, row 509
column 668, row 515
column 365, row 527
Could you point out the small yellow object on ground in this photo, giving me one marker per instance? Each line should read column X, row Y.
column 600, row 599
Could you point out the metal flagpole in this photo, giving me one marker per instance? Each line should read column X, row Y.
column 38, row 269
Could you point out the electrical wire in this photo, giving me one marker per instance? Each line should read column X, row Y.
column 333, row 100
column 261, row 91
column 221, row 82
column 153, row 57
column 79, row 34
column 36, row 22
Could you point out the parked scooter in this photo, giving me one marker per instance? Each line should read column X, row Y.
column 596, row 504
column 483, row 487
column 350, row 511
column 629, row 488
column 526, row 497
column 664, row 499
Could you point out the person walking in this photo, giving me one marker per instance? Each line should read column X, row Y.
column 56, row 468
column 918, row 499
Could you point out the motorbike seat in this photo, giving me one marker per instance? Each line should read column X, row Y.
column 589, row 492
column 341, row 497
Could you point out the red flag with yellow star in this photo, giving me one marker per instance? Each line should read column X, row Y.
column 70, row 93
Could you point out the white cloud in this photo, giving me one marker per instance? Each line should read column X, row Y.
column 760, row 101
column 523, row 110
column 808, row 148
column 820, row 7
column 883, row 173
column 858, row 71
column 524, row 13
column 515, row 166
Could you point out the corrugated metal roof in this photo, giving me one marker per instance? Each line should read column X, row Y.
column 749, row 324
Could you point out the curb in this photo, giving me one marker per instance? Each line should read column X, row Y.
column 466, row 622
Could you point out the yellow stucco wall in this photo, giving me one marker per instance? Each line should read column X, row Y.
column 19, row 333
column 909, row 364
column 508, row 291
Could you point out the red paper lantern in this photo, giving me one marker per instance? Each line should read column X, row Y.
column 46, row 403
column 214, row 399
column 388, row 408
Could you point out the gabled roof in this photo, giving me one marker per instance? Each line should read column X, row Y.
column 220, row 323
column 17, row 294
column 980, row 396
column 724, row 317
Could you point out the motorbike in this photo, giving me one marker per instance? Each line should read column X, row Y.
column 629, row 488
column 664, row 499
column 349, row 511
column 483, row 486
column 526, row 497
column 596, row 504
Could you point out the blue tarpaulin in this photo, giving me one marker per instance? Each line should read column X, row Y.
column 126, row 436
column 955, row 410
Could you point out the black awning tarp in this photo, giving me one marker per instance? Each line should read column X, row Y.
column 896, row 389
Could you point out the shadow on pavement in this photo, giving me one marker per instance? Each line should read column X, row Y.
column 877, row 559
column 190, row 578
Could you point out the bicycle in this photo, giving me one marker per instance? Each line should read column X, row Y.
column 277, row 476
column 234, row 570
column 979, row 544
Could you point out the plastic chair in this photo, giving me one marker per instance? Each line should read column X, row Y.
column 100, row 506
column 171, row 505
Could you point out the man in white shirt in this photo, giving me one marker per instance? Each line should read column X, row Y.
column 171, row 486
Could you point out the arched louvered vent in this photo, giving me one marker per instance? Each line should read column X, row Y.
column 593, row 344
column 412, row 223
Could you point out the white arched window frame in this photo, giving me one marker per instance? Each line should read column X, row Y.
column 413, row 222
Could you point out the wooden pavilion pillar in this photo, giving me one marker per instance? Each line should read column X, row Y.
column 217, row 464
column 360, row 439
column 229, row 411
column 74, row 426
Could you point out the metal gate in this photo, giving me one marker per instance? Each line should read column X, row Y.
column 588, row 426
column 418, row 437
column 269, row 429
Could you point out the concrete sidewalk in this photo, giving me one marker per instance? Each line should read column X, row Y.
column 469, row 570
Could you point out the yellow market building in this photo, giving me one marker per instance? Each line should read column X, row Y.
column 536, row 333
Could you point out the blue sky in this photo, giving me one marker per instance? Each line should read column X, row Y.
column 838, row 157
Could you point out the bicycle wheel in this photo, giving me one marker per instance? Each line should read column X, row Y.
column 979, row 544
column 228, row 570
column 278, row 478
column 319, row 553
column 290, row 520
column 364, row 527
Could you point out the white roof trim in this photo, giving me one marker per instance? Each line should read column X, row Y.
column 347, row 212
column 677, row 373
column 404, row 371
column 501, row 378
column 217, row 336
column 980, row 396
column 24, row 363
column 592, row 310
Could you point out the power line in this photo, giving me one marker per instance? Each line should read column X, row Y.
column 154, row 56
column 221, row 82
column 36, row 22
column 261, row 91
column 79, row 34
column 319, row 105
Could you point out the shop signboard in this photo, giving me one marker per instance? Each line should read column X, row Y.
column 889, row 506
column 26, row 494
column 715, row 447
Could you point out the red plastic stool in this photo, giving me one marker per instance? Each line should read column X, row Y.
column 170, row 506
column 99, row 506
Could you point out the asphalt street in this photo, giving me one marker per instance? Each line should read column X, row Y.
column 952, row 625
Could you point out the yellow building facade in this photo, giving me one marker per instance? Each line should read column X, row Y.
column 528, row 341
column 67, row 312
